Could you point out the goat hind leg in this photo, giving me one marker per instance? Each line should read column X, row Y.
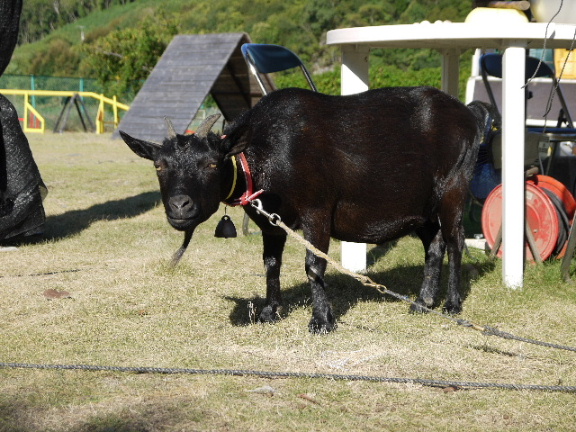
column 453, row 303
column 435, row 247
column 451, row 216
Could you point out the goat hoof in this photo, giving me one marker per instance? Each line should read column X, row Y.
column 419, row 306
column 322, row 326
column 453, row 309
column 269, row 314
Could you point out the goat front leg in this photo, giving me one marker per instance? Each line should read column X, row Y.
column 322, row 317
column 273, row 249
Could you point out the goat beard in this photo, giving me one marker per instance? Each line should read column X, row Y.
column 178, row 254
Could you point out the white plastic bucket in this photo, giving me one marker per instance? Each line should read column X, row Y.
column 544, row 10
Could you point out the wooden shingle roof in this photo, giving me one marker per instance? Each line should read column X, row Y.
column 191, row 68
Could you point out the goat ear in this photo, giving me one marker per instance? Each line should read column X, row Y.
column 144, row 149
column 236, row 142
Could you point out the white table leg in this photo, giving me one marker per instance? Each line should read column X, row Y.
column 355, row 79
column 355, row 69
column 451, row 71
column 513, row 207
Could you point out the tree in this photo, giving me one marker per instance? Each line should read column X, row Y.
column 60, row 59
column 123, row 59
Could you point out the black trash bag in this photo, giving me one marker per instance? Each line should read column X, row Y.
column 10, row 11
column 21, row 187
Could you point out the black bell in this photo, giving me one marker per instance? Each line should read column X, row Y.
column 225, row 228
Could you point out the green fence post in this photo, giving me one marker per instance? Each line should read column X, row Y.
column 33, row 87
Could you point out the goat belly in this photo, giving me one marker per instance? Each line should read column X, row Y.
column 374, row 230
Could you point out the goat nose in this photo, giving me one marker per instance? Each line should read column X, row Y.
column 180, row 202
column 182, row 207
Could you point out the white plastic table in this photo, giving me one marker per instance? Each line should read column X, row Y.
column 451, row 39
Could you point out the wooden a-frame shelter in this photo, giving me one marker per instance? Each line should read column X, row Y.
column 191, row 68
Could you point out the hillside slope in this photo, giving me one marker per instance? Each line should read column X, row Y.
column 76, row 46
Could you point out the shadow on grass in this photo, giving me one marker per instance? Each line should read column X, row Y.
column 16, row 417
column 345, row 293
column 75, row 221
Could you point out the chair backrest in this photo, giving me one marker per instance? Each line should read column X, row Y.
column 491, row 64
column 267, row 58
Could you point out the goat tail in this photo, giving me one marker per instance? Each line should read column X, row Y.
column 463, row 170
column 178, row 254
column 487, row 118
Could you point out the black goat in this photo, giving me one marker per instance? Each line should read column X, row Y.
column 368, row 168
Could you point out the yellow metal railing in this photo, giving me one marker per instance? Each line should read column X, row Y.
column 34, row 122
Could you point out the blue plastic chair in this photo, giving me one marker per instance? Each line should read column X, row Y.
column 264, row 59
column 491, row 64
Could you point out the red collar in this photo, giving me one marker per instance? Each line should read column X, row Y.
column 248, row 195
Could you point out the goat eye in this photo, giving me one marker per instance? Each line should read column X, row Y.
column 159, row 166
column 212, row 165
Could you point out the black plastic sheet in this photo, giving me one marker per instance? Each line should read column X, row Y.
column 21, row 187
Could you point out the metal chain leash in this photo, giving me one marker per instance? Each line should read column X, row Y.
column 275, row 220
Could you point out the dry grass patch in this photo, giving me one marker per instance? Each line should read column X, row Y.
column 108, row 245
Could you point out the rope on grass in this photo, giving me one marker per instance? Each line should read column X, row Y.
column 275, row 220
column 456, row 385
